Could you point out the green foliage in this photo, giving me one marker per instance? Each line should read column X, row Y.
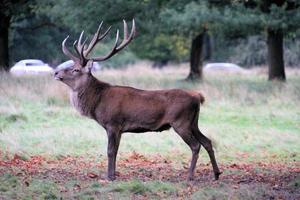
column 252, row 51
column 89, row 14
column 292, row 52
column 125, row 57
column 193, row 19
column 164, row 28
column 162, row 48
column 43, row 41
column 33, row 34
column 281, row 17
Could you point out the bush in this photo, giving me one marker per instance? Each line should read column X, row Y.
column 292, row 52
column 250, row 51
column 253, row 51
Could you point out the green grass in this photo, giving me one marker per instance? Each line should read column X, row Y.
column 139, row 187
column 12, row 187
column 247, row 118
column 242, row 113
column 224, row 192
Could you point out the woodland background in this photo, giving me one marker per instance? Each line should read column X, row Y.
column 49, row 151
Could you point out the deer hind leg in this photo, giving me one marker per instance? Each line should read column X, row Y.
column 206, row 143
column 194, row 145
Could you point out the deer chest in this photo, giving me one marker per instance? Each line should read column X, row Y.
column 80, row 104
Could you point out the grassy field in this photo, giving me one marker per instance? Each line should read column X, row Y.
column 251, row 121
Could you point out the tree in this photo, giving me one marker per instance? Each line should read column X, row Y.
column 153, row 41
column 7, row 11
column 193, row 19
column 286, row 13
column 150, row 42
column 22, row 27
column 277, row 18
column 89, row 14
column 4, row 27
column 236, row 18
column 36, row 36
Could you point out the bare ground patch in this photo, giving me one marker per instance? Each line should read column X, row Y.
column 147, row 177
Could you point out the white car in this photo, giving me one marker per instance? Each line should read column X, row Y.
column 229, row 67
column 31, row 66
column 69, row 63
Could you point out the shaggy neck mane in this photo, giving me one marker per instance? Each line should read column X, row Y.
column 86, row 98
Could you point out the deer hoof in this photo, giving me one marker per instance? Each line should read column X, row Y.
column 217, row 175
column 190, row 178
column 111, row 178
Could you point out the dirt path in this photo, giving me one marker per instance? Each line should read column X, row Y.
column 271, row 180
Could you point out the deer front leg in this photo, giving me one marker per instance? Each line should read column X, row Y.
column 112, row 150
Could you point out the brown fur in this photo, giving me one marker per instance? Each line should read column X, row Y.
column 122, row 109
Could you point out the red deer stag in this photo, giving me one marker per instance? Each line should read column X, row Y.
column 122, row 109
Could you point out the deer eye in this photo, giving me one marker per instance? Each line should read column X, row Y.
column 75, row 70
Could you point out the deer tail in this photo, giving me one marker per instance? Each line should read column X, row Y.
column 202, row 99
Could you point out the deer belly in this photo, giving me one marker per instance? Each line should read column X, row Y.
column 146, row 123
column 137, row 129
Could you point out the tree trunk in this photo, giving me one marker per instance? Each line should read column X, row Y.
column 4, row 27
column 196, row 58
column 275, row 55
column 207, row 47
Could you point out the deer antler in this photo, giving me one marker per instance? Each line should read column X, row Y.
column 82, row 51
column 67, row 52
column 127, row 39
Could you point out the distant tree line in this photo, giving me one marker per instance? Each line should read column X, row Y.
column 168, row 30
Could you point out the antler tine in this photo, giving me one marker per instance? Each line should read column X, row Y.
column 111, row 53
column 127, row 38
column 74, row 46
column 79, row 45
column 125, row 29
column 133, row 30
column 104, row 34
column 96, row 39
column 67, row 52
column 124, row 43
column 82, row 51
column 84, row 60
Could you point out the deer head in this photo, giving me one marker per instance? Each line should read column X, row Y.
column 80, row 72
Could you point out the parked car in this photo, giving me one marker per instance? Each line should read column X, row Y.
column 229, row 67
column 69, row 63
column 31, row 66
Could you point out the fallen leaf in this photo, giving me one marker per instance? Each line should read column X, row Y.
column 26, row 183
column 92, row 175
column 76, row 188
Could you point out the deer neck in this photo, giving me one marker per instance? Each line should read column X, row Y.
column 86, row 97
